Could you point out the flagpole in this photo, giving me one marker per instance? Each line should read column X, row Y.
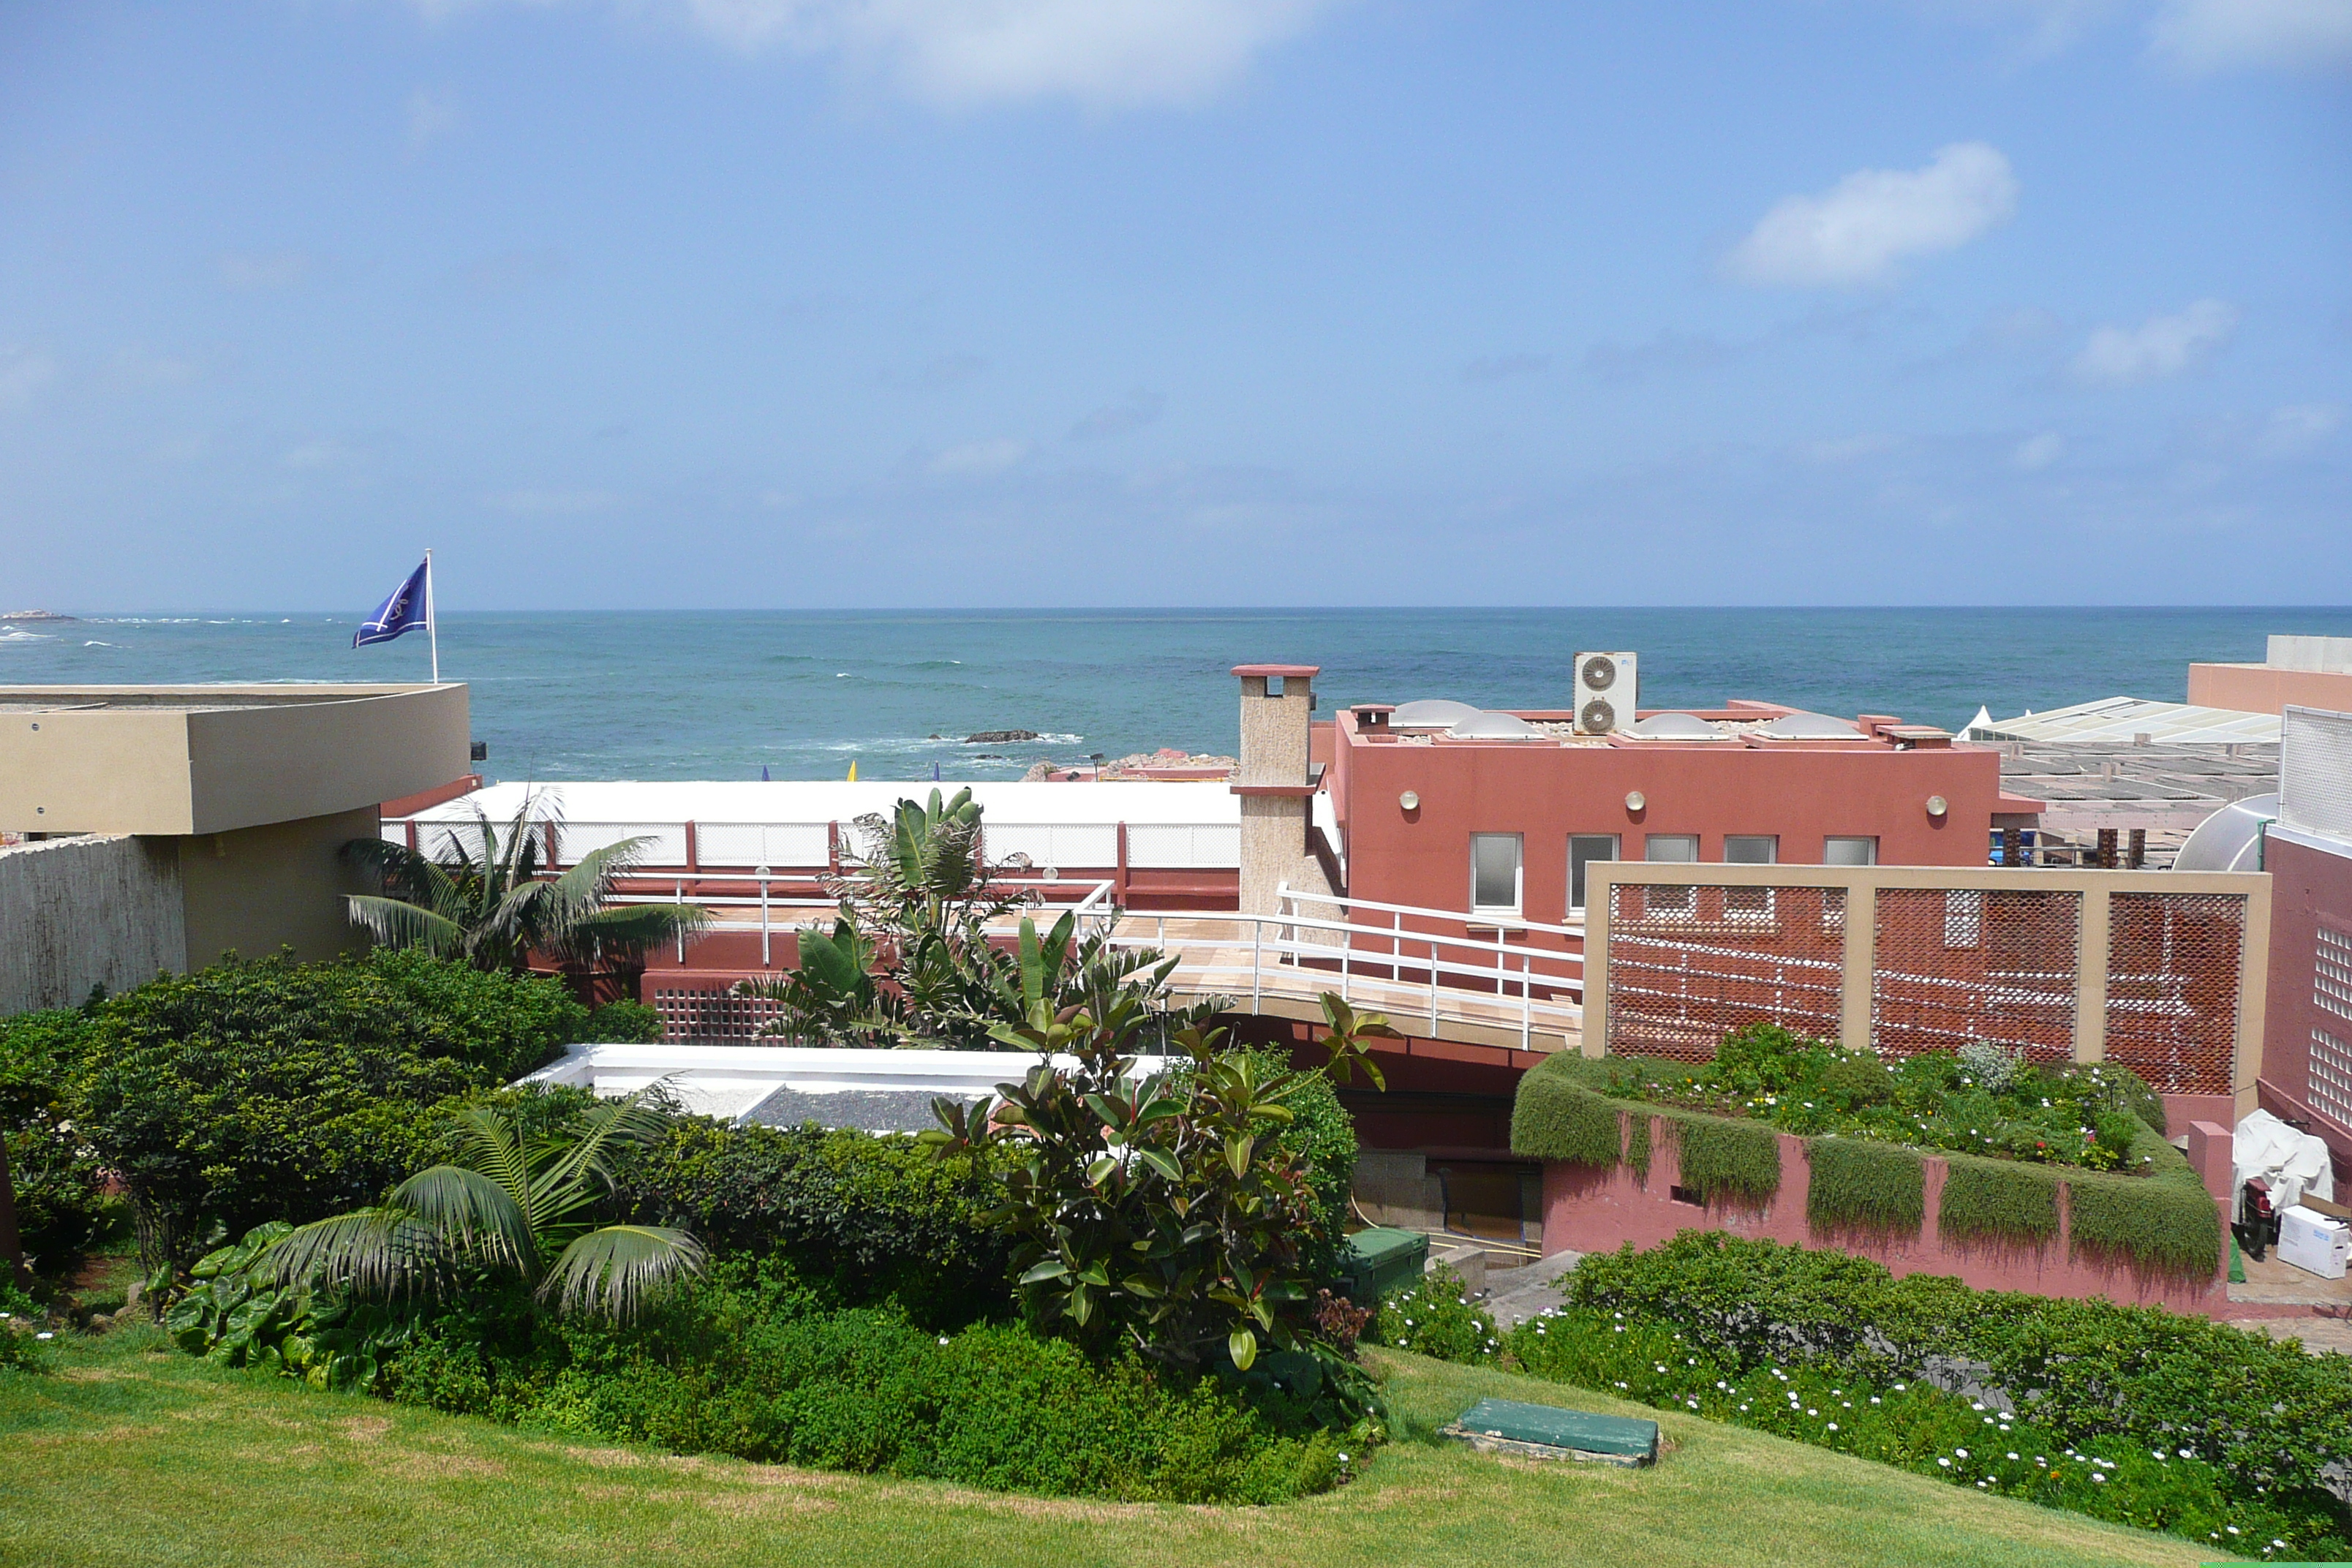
column 432, row 618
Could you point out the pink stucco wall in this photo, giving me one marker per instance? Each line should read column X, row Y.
column 1590, row 1210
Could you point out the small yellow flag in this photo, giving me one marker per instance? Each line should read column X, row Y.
column 853, row 773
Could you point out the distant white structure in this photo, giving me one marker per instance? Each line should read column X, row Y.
column 2131, row 720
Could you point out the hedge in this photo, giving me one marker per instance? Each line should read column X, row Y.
column 269, row 1089
column 2163, row 1221
column 1868, row 1185
column 760, row 1364
column 2268, row 1426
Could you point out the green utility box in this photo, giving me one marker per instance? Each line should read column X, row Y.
column 1380, row 1260
column 1548, row 1432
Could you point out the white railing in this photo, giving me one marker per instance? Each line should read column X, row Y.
column 1415, row 975
column 735, row 911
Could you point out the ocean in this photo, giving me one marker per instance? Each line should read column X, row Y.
column 723, row 694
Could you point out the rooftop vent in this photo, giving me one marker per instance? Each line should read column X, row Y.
column 1674, row 727
column 1495, row 727
column 1810, row 727
column 1430, row 713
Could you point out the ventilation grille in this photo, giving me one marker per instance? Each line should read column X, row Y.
column 1686, row 965
column 2315, row 772
column 2330, row 1087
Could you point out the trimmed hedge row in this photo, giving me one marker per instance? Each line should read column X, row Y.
column 2164, row 1221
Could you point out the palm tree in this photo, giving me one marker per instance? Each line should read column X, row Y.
column 514, row 1200
column 488, row 899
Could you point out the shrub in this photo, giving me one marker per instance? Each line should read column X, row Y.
column 59, row 1207
column 1857, row 1183
column 629, row 1022
column 1997, row 1200
column 759, row 1364
column 262, row 1090
column 2268, row 1421
column 1954, row 1435
column 2164, row 1223
column 876, row 1217
column 1433, row 1316
column 20, row 1319
column 1557, row 1117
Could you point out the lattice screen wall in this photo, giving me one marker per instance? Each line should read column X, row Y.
column 1948, row 965
column 1958, row 965
column 1688, row 964
column 2172, row 987
column 710, row 1014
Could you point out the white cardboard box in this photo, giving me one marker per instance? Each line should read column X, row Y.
column 2314, row 1241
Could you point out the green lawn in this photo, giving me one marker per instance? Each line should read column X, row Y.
column 134, row 1454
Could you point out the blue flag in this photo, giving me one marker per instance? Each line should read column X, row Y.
column 409, row 609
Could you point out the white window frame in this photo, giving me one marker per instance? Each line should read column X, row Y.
column 1670, row 900
column 1616, row 847
column 1518, row 876
column 1751, row 906
column 1868, row 840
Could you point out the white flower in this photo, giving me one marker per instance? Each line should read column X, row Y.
column 2186, row 1454
column 1945, row 1463
column 2098, row 1477
column 1963, row 1453
column 2013, row 1456
column 45, row 1334
column 943, row 1339
column 1832, row 1426
column 1343, row 1459
column 2234, row 1530
column 1810, row 1411
column 1976, row 1406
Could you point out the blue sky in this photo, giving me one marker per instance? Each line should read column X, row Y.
column 670, row 304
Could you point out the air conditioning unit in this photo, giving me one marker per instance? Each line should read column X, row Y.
column 1605, row 687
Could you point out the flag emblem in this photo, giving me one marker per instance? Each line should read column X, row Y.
column 410, row 608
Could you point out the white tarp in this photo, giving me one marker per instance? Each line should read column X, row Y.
column 2294, row 1163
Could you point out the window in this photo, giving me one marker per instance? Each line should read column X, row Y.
column 1672, row 849
column 1494, row 873
column 1748, row 849
column 1583, row 848
column 1849, row 851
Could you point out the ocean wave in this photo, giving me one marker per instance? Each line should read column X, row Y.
column 97, row 645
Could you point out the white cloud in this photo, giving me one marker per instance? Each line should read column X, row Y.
column 1106, row 53
column 22, row 373
column 431, row 116
column 2036, row 453
column 981, row 456
column 2157, row 348
column 1859, row 229
column 320, row 454
column 2204, row 36
column 264, row 269
column 2299, row 428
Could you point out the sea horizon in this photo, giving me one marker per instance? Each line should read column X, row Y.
column 584, row 694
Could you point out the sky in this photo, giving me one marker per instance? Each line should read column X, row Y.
column 665, row 304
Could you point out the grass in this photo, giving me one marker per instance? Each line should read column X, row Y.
column 130, row 1452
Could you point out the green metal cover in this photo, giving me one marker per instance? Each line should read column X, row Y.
column 1556, row 1428
column 1380, row 1258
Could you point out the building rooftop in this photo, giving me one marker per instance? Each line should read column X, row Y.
column 2131, row 719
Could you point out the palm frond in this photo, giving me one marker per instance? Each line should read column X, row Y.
column 471, row 1215
column 395, row 922
column 639, row 1119
column 615, row 1270
column 374, row 1251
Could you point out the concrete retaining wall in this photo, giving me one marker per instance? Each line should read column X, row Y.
column 79, row 912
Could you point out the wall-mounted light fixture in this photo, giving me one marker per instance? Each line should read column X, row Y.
column 1937, row 805
column 1635, row 800
column 1410, row 800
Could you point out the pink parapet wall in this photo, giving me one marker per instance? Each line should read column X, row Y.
column 1590, row 1210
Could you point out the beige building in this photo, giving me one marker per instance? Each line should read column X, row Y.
column 166, row 826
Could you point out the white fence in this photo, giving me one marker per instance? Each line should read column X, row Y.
column 743, row 846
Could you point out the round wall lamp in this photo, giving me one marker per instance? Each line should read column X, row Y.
column 1937, row 805
column 1635, row 800
column 1410, row 800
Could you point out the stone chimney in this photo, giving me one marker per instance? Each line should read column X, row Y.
column 1277, row 700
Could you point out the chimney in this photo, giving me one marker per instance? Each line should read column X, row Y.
column 1277, row 702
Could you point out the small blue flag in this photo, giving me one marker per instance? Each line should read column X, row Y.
column 409, row 609
column 935, row 773
column 764, row 773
